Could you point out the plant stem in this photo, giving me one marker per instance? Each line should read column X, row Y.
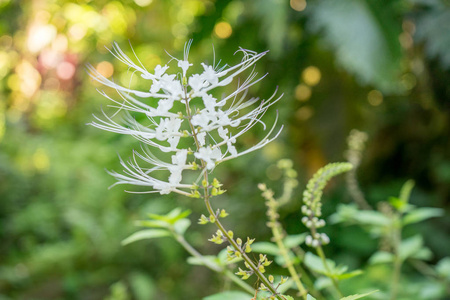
column 277, row 235
column 210, row 265
column 324, row 261
column 206, row 197
column 244, row 255
column 397, row 238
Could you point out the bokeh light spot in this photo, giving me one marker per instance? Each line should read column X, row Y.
column 298, row 5
column 143, row 3
column 65, row 70
column 105, row 68
column 51, row 83
column 302, row 92
column 223, row 30
column 41, row 160
column 375, row 97
column 311, row 75
column 304, row 113
column 77, row 32
column 409, row 81
column 40, row 36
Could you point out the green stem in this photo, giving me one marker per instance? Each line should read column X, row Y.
column 397, row 238
column 327, row 268
column 277, row 234
column 206, row 197
column 210, row 265
column 244, row 255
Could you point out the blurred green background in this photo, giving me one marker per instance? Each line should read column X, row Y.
column 381, row 66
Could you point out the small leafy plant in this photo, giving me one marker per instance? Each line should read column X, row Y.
column 186, row 131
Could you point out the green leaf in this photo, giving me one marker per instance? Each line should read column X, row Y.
column 309, row 297
column 196, row 261
column 381, row 257
column 364, row 37
column 145, row 234
column 152, row 223
column 181, row 226
column 173, row 216
column 405, row 192
column 432, row 28
column 315, row 263
column 235, row 295
column 443, row 267
column 369, row 217
column 266, row 248
column 420, row 214
column 295, row 240
column 349, row 274
column 410, row 246
column 358, row 296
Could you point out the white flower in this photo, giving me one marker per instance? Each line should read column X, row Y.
column 209, row 156
column 162, row 116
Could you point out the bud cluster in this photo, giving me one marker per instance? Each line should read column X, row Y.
column 312, row 206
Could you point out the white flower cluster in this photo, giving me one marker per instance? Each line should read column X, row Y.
column 176, row 107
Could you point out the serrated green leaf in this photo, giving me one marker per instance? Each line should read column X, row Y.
column 420, row 214
column 235, row 295
column 181, row 226
column 266, row 248
column 381, row 257
column 145, row 234
column 358, row 296
column 294, row 240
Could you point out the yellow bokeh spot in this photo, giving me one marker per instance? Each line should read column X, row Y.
column 273, row 151
column 298, row 5
column 375, row 97
column 223, row 30
column 41, row 161
column 2, row 121
column 311, row 75
column 105, row 68
column 302, row 92
column 304, row 113
column 143, row 3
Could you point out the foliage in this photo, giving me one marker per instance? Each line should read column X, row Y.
column 61, row 229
